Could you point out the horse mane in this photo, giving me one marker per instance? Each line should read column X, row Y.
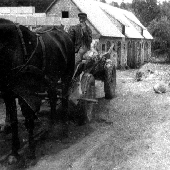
column 5, row 21
column 44, row 29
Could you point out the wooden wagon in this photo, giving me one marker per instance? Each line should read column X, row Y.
column 83, row 93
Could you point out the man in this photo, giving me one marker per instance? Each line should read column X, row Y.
column 81, row 35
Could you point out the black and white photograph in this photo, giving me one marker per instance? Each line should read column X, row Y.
column 84, row 85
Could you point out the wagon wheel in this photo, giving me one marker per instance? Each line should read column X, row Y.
column 110, row 81
column 85, row 106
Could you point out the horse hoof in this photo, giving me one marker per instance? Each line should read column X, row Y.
column 12, row 160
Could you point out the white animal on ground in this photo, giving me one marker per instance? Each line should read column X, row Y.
column 161, row 87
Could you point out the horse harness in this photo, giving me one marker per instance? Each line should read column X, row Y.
column 39, row 39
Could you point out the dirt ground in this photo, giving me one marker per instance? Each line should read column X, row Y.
column 129, row 132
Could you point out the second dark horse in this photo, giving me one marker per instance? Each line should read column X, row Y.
column 30, row 63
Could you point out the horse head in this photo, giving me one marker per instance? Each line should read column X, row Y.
column 12, row 41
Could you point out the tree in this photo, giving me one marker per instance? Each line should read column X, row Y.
column 40, row 5
column 146, row 10
column 123, row 5
column 160, row 29
column 165, row 6
column 104, row 1
column 23, row 2
column 126, row 6
column 8, row 3
column 115, row 4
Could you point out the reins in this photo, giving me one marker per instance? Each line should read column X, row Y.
column 25, row 50
column 45, row 31
column 23, row 66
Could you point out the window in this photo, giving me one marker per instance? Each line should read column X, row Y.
column 123, row 29
column 108, row 44
column 103, row 47
column 129, row 45
column 124, row 46
column 65, row 14
column 119, row 44
column 142, row 31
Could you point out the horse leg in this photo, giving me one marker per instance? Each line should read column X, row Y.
column 64, row 116
column 10, row 103
column 7, row 119
column 29, row 124
column 53, row 100
column 29, row 115
column 6, row 128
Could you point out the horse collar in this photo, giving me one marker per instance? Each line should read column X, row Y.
column 24, row 46
column 39, row 38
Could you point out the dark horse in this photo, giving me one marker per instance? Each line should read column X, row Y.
column 30, row 63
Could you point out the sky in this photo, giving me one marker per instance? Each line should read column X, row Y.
column 130, row 1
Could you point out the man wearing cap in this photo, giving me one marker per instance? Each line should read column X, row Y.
column 81, row 35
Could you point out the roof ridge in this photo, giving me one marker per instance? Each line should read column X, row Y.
column 53, row 2
column 111, row 30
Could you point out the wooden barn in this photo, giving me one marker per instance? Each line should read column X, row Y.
column 110, row 25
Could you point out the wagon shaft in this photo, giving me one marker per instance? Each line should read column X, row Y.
column 89, row 100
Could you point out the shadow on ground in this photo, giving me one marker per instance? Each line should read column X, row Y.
column 48, row 142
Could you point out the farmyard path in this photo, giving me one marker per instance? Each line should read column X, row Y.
column 136, row 134
column 131, row 132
